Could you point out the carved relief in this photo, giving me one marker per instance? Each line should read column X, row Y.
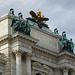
column 44, row 68
column 24, row 45
column 44, row 57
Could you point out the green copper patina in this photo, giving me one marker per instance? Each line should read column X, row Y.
column 11, row 11
column 71, row 45
column 19, row 25
column 56, row 31
column 66, row 44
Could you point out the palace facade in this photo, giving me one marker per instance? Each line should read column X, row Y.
column 37, row 54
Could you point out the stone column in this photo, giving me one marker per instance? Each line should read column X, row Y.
column 57, row 71
column 72, row 72
column 65, row 71
column 18, row 63
column 28, row 64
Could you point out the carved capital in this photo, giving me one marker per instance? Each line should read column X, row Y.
column 65, row 69
column 18, row 52
column 28, row 55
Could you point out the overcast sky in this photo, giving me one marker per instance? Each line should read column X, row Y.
column 61, row 13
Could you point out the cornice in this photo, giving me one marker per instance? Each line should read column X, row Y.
column 5, row 37
column 23, row 36
column 43, row 50
column 2, row 60
column 46, row 32
column 67, row 54
column 4, row 17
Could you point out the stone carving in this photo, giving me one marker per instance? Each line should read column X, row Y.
column 50, row 72
column 37, row 63
column 44, row 58
column 37, row 18
column 44, row 67
column 65, row 43
column 24, row 45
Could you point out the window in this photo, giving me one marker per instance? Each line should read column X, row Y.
column 38, row 74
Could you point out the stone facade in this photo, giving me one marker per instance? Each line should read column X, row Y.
column 32, row 55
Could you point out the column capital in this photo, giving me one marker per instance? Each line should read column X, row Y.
column 57, row 68
column 18, row 52
column 29, row 55
column 65, row 69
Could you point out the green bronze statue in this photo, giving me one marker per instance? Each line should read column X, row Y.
column 11, row 11
column 71, row 45
column 19, row 25
column 66, row 44
column 63, row 40
column 20, row 15
column 56, row 31
column 28, row 30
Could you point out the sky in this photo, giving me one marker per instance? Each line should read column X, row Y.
column 61, row 13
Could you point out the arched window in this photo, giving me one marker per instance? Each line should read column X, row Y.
column 38, row 74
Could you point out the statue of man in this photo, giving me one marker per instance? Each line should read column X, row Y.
column 71, row 45
column 16, row 21
column 11, row 11
column 55, row 31
column 63, row 41
column 28, row 30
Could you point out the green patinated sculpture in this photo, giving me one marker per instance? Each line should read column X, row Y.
column 11, row 11
column 56, row 31
column 63, row 40
column 71, row 45
column 28, row 30
column 66, row 44
column 19, row 25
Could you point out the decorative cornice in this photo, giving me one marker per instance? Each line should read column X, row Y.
column 5, row 37
column 67, row 54
column 18, row 34
column 2, row 60
column 46, row 32
column 43, row 50
column 4, row 17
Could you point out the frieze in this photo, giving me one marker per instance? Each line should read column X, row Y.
column 44, row 57
column 24, row 45
column 43, row 67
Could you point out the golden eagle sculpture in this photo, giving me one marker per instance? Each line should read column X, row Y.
column 37, row 16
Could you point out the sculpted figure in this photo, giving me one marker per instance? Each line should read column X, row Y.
column 63, row 41
column 17, row 24
column 71, row 45
column 66, row 44
column 11, row 11
column 55, row 31
column 28, row 30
